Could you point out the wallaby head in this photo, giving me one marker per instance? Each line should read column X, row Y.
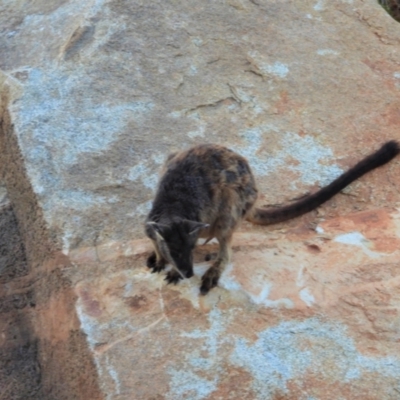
column 175, row 241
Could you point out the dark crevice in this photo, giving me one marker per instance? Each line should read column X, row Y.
column 392, row 7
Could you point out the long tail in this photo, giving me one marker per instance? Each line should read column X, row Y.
column 264, row 216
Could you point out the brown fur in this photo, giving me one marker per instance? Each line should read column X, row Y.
column 207, row 191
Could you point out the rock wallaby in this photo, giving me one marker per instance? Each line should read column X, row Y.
column 206, row 191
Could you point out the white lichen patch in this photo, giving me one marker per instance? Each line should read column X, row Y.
column 56, row 134
column 277, row 68
column 307, row 297
column 146, row 172
column 74, row 200
column 359, row 240
column 198, row 132
column 352, row 238
column 300, row 280
column 227, row 280
column 258, row 292
column 304, row 293
column 261, row 298
column 185, row 385
column 200, row 126
column 199, row 377
column 262, row 163
column 396, row 76
column 311, row 157
column 142, row 209
column 327, row 52
column 319, row 6
column 175, row 114
column 192, row 70
column 279, row 355
column 114, row 375
column 47, row 131
column 145, row 175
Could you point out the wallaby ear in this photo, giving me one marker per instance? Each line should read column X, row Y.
column 193, row 227
column 155, row 230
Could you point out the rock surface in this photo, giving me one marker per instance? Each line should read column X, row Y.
column 95, row 94
column 43, row 352
column 299, row 315
column 102, row 91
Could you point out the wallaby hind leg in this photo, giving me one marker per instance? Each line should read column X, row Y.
column 211, row 277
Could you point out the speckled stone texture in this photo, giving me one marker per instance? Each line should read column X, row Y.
column 43, row 352
column 95, row 94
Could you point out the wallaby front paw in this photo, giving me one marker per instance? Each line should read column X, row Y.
column 153, row 264
column 173, row 277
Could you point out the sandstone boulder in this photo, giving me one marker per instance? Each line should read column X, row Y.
column 95, row 94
